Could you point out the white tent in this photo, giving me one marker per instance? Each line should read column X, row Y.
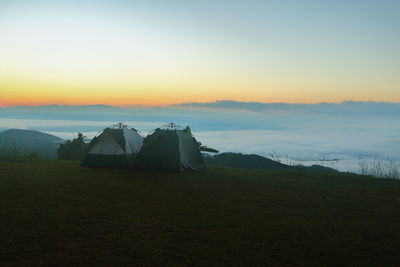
column 113, row 147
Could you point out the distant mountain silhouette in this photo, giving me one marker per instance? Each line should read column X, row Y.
column 345, row 107
column 28, row 141
column 239, row 160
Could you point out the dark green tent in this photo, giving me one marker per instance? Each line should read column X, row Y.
column 171, row 148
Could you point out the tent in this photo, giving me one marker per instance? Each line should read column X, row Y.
column 114, row 146
column 170, row 148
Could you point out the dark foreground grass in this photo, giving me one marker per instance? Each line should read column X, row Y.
column 57, row 213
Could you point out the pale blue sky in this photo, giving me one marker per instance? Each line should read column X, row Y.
column 290, row 51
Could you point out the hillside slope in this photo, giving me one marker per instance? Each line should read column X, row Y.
column 252, row 161
column 55, row 212
column 28, row 141
column 239, row 160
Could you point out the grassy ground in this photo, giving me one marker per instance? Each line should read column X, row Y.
column 55, row 212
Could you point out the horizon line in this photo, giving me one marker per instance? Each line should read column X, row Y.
column 194, row 102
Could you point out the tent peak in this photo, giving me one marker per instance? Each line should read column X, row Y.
column 171, row 126
column 119, row 125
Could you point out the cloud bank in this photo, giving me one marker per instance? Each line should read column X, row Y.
column 345, row 132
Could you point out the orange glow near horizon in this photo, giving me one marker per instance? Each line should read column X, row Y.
column 43, row 100
column 34, row 92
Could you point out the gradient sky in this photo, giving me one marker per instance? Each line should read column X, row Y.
column 162, row 52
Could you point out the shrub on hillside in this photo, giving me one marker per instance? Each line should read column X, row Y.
column 10, row 148
column 73, row 150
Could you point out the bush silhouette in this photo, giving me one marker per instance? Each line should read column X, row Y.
column 73, row 150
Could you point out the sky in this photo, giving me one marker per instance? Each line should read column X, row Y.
column 163, row 52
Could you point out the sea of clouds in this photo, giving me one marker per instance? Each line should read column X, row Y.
column 334, row 135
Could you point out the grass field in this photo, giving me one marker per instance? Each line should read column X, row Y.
column 57, row 213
